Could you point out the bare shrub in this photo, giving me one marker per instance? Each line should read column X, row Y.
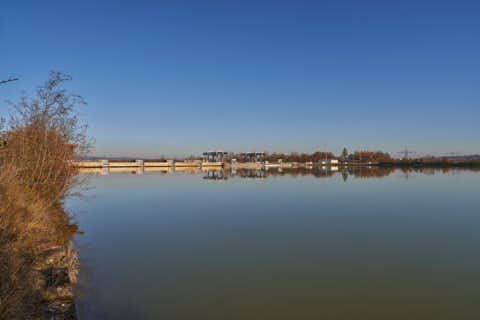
column 44, row 133
column 37, row 144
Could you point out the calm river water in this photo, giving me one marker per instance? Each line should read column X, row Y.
column 370, row 244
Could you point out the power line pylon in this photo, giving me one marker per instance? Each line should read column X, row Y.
column 406, row 153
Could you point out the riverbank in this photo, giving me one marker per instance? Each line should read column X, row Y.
column 38, row 266
column 430, row 164
column 56, row 277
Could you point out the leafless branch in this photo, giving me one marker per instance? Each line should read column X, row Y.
column 11, row 79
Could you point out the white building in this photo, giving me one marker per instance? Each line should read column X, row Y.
column 329, row 162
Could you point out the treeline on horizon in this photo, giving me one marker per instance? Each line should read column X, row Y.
column 315, row 157
column 357, row 157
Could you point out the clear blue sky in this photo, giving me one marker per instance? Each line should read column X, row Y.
column 181, row 77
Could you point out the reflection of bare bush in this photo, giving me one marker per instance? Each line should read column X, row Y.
column 363, row 172
column 36, row 147
column 370, row 172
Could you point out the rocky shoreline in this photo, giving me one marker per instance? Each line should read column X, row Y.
column 56, row 272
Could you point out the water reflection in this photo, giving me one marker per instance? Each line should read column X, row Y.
column 363, row 172
column 281, row 244
column 216, row 175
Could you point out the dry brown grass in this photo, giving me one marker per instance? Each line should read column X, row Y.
column 36, row 147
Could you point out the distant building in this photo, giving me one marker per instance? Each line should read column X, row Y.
column 329, row 162
column 254, row 156
column 215, row 156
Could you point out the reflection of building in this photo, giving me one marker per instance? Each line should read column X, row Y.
column 216, row 175
column 329, row 162
column 251, row 173
column 219, row 173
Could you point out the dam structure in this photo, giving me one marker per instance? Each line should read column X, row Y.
column 144, row 164
column 209, row 159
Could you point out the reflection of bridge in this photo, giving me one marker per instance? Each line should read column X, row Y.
column 219, row 173
column 137, row 170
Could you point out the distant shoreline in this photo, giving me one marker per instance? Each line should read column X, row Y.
column 430, row 164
